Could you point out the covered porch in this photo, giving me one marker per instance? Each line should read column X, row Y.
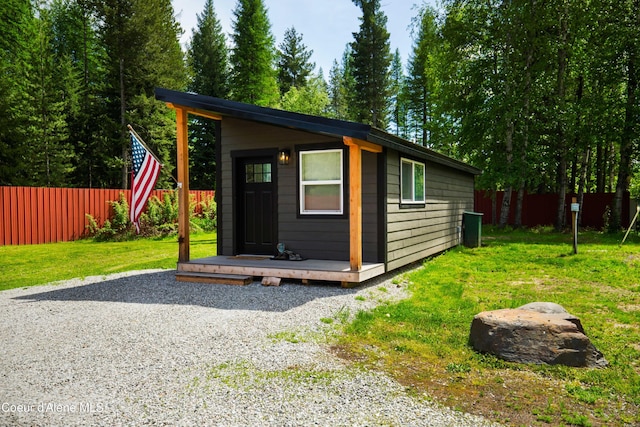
column 244, row 269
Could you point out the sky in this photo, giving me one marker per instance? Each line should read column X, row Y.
column 326, row 25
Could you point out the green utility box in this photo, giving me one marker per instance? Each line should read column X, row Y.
column 472, row 229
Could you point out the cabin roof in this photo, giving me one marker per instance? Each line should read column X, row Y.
column 307, row 123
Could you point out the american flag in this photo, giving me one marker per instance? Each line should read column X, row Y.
column 143, row 178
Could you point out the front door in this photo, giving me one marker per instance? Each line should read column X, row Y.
column 256, row 203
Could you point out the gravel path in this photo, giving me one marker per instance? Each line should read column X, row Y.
column 143, row 349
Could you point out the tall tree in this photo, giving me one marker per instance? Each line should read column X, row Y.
column 75, row 40
column 627, row 14
column 421, row 81
column 253, row 77
column 209, row 66
column 141, row 41
column 342, row 87
column 294, row 67
column 17, row 26
column 371, row 65
column 54, row 97
column 398, row 99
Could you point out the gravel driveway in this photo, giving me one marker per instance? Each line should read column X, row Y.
column 143, row 349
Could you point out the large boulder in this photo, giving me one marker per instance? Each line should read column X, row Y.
column 540, row 333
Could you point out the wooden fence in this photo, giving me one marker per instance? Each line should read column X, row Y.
column 31, row 215
column 540, row 209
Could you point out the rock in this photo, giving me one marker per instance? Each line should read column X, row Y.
column 271, row 281
column 539, row 333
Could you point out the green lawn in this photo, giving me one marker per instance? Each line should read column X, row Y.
column 30, row 265
column 423, row 341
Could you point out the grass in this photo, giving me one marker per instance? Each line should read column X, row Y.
column 31, row 265
column 423, row 340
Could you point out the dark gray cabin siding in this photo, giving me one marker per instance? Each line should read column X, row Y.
column 319, row 238
column 415, row 233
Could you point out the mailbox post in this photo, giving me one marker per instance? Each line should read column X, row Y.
column 575, row 208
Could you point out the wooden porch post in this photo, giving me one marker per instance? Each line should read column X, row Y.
column 355, row 207
column 356, row 146
column 183, row 185
column 182, row 113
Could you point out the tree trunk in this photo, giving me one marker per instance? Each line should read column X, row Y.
column 494, row 207
column 584, row 166
column 560, row 131
column 506, row 200
column 123, row 127
column 626, row 145
column 600, row 166
column 506, row 205
column 525, row 132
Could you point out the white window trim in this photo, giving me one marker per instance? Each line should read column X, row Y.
column 413, row 200
column 340, row 182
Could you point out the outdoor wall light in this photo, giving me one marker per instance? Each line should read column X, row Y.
column 283, row 156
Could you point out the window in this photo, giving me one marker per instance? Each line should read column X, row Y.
column 257, row 173
column 412, row 181
column 321, row 182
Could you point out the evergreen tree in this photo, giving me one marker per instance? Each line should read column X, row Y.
column 76, row 41
column 399, row 110
column 421, row 81
column 53, row 97
column 209, row 66
column 253, row 77
column 294, row 67
column 143, row 51
column 17, row 26
column 371, row 65
column 342, row 88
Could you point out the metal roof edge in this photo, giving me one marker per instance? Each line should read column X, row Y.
column 381, row 137
column 308, row 123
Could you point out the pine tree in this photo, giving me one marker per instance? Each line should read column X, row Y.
column 209, row 65
column 399, row 110
column 342, row 88
column 294, row 67
column 421, row 80
column 53, row 97
column 253, row 78
column 143, row 51
column 371, row 65
column 76, row 41
column 17, row 26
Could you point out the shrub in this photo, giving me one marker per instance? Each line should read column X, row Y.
column 160, row 218
column 117, row 228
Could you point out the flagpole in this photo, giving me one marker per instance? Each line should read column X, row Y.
column 144, row 145
column 147, row 148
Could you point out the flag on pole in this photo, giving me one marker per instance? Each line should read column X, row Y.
column 145, row 172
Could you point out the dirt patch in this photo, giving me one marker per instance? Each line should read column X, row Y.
column 511, row 396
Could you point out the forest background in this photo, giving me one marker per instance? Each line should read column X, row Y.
column 543, row 96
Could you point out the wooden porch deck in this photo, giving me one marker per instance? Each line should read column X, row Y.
column 217, row 267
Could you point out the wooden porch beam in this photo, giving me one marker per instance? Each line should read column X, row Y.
column 196, row 111
column 355, row 207
column 183, row 184
column 364, row 145
column 356, row 146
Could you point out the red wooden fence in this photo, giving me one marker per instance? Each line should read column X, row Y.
column 540, row 209
column 31, row 215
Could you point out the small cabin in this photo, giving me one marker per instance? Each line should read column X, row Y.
column 312, row 198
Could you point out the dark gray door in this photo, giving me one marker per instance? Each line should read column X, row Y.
column 256, row 222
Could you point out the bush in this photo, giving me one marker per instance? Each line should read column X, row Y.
column 117, row 228
column 205, row 215
column 159, row 219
